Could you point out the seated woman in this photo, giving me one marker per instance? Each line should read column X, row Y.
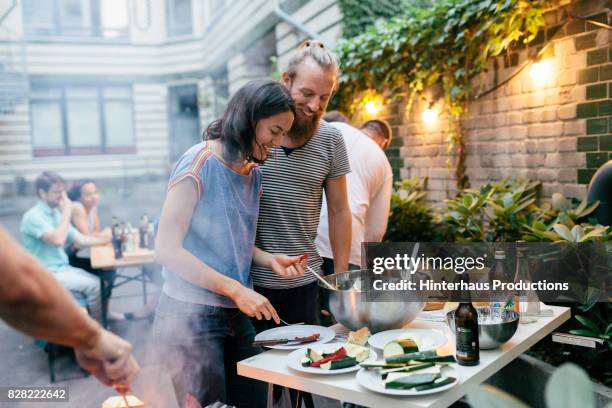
column 85, row 199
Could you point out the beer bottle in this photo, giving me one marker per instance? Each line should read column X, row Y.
column 466, row 329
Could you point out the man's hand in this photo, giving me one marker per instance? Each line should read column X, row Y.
column 254, row 305
column 287, row 266
column 110, row 360
column 65, row 205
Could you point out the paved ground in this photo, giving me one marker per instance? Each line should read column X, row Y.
column 22, row 363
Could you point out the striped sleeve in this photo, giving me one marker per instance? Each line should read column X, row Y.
column 339, row 162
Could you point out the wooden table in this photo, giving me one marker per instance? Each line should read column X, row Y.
column 103, row 258
column 271, row 366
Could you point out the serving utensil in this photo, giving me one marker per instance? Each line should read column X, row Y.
column 326, row 283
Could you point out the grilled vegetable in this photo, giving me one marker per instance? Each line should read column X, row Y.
column 440, row 382
column 393, row 349
column 373, row 366
column 437, row 359
column 338, row 355
column 409, row 345
column 359, row 352
column 406, row 369
column 313, row 355
column 305, row 362
column 405, row 358
column 337, row 364
column 410, row 381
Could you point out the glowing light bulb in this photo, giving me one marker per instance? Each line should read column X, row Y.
column 430, row 116
column 372, row 107
column 541, row 71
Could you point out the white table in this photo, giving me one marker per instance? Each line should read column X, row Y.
column 271, row 367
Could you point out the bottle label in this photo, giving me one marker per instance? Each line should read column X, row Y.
column 467, row 343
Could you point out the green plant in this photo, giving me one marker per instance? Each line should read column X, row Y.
column 444, row 45
column 465, row 214
column 592, row 329
column 510, row 208
column 410, row 219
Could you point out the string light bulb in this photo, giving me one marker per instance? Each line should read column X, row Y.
column 430, row 116
column 372, row 107
column 541, row 71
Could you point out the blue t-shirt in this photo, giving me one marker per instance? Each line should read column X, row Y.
column 222, row 229
column 38, row 221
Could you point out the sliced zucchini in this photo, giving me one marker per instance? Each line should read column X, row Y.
column 373, row 366
column 359, row 352
column 406, row 369
column 438, row 359
column 393, row 349
column 410, row 381
column 409, row 345
column 406, row 358
column 337, row 364
column 306, row 361
column 313, row 355
column 440, row 382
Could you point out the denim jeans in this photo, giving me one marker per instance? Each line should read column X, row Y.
column 83, row 285
column 199, row 346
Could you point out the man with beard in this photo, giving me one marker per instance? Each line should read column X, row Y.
column 312, row 158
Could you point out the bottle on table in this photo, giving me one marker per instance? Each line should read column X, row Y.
column 116, row 238
column 502, row 298
column 143, row 232
column 466, row 329
column 526, row 302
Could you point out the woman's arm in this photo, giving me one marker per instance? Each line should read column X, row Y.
column 283, row 265
column 79, row 219
column 180, row 203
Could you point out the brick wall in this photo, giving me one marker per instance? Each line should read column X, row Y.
column 557, row 130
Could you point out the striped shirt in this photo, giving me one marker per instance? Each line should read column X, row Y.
column 291, row 202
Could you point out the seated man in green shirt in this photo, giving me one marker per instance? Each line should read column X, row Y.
column 46, row 229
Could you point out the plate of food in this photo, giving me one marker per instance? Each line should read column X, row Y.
column 331, row 358
column 417, row 373
column 408, row 340
column 294, row 337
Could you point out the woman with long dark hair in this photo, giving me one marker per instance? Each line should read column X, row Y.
column 205, row 243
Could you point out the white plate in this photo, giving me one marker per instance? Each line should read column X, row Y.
column 294, row 360
column 425, row 339
column 372, row 380
column 298, row 330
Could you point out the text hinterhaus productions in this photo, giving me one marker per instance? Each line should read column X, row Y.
column 521, row 285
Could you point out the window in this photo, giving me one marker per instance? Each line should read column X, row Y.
column 85, row 18
column 73, row 120
column 178, row 15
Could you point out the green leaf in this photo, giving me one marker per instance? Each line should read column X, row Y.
column 583, row 332
column 563, row 232
column 588, row 323
column 569, row 387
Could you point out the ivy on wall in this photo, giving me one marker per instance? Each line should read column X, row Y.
column 357, row 15
column 441, row 46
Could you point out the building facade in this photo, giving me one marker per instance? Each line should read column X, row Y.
column 118, row 89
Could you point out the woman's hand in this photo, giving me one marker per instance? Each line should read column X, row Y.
column 254, row 305
column 287, row 266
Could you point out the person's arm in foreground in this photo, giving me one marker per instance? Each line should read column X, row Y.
column 339, row 221
column 33, row 302
column 378, row 213
column 169, row 251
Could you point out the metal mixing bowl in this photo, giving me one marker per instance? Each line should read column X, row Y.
column 378, row 310
column 491, row 335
